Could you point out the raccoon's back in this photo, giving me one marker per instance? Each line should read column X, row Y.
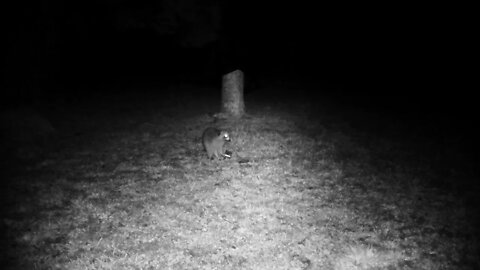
column 210, row 135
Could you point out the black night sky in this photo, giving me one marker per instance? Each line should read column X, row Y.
column 352, row 44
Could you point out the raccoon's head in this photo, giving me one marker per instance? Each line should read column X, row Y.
column 224, row 135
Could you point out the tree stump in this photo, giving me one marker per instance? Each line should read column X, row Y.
column 232, row 94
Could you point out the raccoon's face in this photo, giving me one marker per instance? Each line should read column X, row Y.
column 224, row 135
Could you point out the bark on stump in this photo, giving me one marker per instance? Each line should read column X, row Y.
column 232, row 94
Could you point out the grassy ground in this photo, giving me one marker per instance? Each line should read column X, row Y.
column 129, row 187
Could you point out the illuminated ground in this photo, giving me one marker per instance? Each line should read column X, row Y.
column 129, row 187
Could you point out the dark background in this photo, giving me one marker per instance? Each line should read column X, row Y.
column 405, row 60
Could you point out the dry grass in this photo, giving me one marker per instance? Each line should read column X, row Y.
column 139, row 193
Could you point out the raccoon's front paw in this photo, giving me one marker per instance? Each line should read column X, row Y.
column 228, row 154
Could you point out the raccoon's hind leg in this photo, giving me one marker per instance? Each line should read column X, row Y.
column 210, row 155
column 215, row 154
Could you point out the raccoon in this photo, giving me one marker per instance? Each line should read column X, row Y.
column 213, row 141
